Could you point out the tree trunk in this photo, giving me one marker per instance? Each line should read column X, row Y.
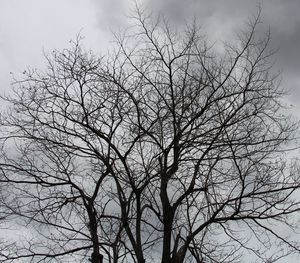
column 96, row 256
column 168, row 222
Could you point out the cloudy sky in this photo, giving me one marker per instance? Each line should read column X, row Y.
column 30, row 27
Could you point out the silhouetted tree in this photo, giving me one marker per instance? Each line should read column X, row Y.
column 165, row 150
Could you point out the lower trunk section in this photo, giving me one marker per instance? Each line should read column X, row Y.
column 96, row 258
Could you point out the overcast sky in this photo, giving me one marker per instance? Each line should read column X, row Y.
column 29, row 27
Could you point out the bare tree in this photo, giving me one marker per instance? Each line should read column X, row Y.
column 164, row 151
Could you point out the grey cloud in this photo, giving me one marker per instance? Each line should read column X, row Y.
column 220, row 19
column 111, row 13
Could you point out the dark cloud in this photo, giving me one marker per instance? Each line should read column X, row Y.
column 221, row 19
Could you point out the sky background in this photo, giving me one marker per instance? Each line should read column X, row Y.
column 30, row 27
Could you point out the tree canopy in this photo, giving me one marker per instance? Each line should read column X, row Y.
column 165, row 150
